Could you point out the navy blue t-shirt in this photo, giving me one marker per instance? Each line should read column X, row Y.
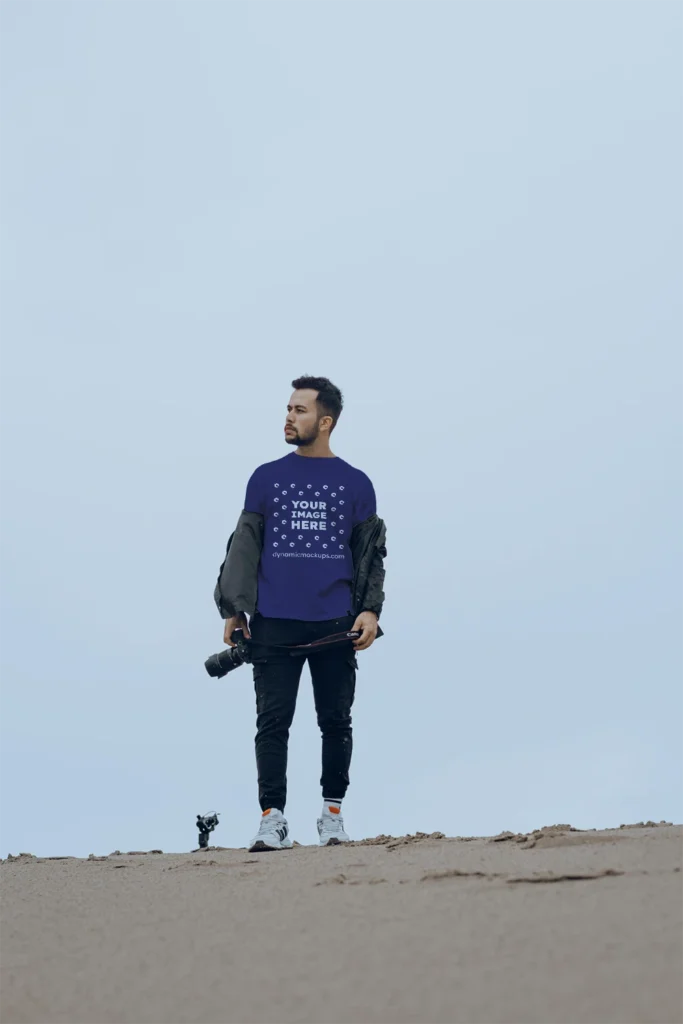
column 310, row 506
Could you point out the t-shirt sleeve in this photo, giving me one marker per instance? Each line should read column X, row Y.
column 366, row 502
column 254, row 498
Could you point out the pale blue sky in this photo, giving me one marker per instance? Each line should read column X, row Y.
column 469, row 216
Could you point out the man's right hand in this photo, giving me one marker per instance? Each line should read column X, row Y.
column 238, row 621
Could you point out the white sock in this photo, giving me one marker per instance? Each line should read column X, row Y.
column 332, row 807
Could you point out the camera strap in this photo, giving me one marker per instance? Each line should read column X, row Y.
column 298, row 650
column 333, row 640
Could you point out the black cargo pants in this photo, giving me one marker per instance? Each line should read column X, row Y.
column 276, row 681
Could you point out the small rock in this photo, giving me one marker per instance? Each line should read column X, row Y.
column 504, row 837
column 647, row 824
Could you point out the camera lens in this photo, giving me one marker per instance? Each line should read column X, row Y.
column 218, row 665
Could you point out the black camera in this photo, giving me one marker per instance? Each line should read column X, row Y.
column 218, row 665
column 206, row 823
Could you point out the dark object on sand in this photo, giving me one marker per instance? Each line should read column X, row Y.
column 206, row 823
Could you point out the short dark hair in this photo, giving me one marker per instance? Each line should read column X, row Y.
column 329, row 399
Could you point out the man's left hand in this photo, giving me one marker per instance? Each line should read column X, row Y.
column 367, row 622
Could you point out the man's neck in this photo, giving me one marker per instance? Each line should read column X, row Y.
column 316, row 451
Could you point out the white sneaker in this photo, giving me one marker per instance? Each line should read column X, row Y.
column 331, row 829
column 273, row 833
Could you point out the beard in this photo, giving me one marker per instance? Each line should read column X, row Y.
column 301, row 440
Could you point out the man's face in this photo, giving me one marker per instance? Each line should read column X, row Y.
column 302, row 426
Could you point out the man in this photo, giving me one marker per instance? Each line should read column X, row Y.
column 305, row 562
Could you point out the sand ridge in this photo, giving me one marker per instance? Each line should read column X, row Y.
column 561, row 927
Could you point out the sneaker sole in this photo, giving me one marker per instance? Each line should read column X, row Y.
column 262, row 847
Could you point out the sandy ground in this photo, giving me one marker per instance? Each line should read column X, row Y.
column 561, row 927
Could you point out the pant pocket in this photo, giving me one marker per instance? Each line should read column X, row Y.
column 258, row 668
column 352, row 659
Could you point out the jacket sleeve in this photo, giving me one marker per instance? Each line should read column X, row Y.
column 374, row 592
column 236, row 589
